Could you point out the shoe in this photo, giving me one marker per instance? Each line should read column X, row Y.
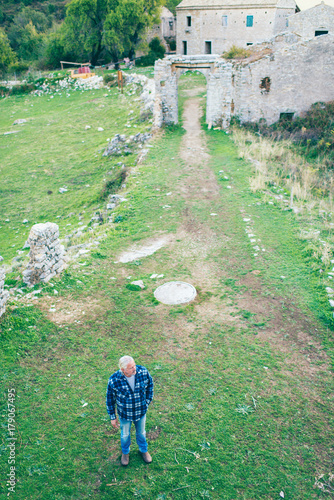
column 125, row 459
column 146, row 457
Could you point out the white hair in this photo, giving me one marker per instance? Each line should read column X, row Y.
column 124, row 361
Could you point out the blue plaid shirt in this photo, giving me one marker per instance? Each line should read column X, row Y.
column 131, row 405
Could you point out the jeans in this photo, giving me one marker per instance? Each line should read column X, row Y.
column 140, row 434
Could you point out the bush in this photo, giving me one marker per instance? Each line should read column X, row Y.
column 312, row 132
column 236, row 53
column 157, row 51
column 110, row 79
column 114, row 184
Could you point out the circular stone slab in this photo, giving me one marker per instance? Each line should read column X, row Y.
column 175, row 292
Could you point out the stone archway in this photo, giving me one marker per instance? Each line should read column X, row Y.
column 167, row 72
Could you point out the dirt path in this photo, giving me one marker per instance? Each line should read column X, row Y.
column 200, row 241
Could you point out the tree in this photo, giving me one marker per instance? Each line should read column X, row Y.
column 7, row 56
column 107, row 27
column 157, row 51
column 26, row 33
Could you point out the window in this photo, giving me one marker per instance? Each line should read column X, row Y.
column 224, row 20
column 321, row 32
column 184, row 48
column 208, row 48
column 249, row 21
column 188, row 21
column 171, row 25
column 265, row 85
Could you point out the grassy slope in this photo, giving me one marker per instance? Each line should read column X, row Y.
column 203, row 367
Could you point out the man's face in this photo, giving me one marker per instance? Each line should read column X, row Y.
column 130, row 369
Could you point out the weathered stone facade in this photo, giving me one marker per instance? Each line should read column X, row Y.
column 317, row 21
column 213, row 26
column 165, row 30
column 46, row 254
column 288, row 76
column 4, row 294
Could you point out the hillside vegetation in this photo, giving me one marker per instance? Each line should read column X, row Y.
column 41, row 34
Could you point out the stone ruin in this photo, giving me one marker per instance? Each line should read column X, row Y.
column 46, row 254
column 121, row 145
column 282, row 77
column 4, row 294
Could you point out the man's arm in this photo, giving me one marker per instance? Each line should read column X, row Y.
column 149, row 389
column 111, row 402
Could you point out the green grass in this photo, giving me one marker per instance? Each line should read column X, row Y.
column 207, row 369
column 52, row 150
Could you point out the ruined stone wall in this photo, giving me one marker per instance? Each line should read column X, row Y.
column 286, row 78
column 318, row 18
column 167, row 73
column 166, row 101
column 46, row 254
column 288, row 81
column 4, row 294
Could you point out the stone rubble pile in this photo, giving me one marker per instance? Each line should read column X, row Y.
column 120, row 145
column 148, row 93
column 114, row 200
column 46, row 254
column 4, row 294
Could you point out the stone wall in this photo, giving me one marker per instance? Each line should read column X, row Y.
column 46, row 254
column 289, row 80
column 317, row 19
column 166, row 76
column 4, row 294
column 285, row 76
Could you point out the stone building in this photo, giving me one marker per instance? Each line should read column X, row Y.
column 213, row 26
column 284, row 77
column 316, row 21
column 165, row 30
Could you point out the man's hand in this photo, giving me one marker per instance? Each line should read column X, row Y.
column 115, row 423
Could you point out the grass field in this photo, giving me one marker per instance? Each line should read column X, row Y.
column 243, row 405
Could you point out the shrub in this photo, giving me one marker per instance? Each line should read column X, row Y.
column 114, row 184
column 236, row 53
column 110, row 79
column 157, row 51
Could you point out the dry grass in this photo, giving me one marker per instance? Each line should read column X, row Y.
column 276, row 163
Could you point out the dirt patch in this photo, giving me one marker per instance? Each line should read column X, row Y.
column 66, row 311
column 154, row 433
column 149, row 247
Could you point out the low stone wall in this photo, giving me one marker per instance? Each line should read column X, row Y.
column 4, row 294
column 46, row 254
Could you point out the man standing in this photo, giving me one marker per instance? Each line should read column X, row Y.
column 131, row 390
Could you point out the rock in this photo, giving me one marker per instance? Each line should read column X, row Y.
column 47, row 255
column 19, row 121
column 4, row 294
column 62, row 190
column 100, row 129
column 331, row 302
column 87, row 127
column 138, row 283
column 329, row 290
column 25, row 221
